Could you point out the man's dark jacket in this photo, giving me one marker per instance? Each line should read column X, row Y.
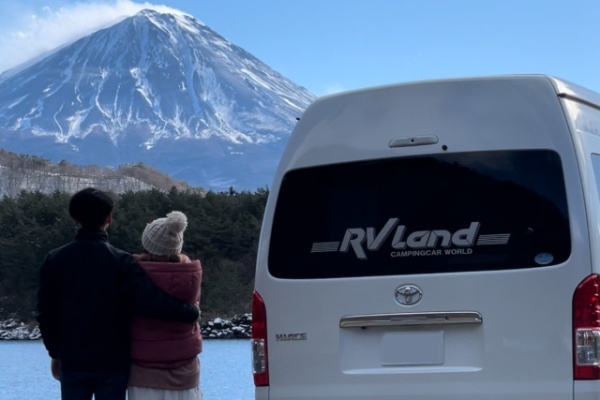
column 88, row 291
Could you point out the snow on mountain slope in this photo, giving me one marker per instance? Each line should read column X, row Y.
column 162, row 89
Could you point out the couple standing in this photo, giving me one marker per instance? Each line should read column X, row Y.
column 112, row 321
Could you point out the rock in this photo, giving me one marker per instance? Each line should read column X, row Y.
column 238, row 327
column 14, row 330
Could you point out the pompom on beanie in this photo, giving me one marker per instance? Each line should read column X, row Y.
column 164, row 236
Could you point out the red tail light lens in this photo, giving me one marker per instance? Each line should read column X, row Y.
column 586, row 329
column 260, row 366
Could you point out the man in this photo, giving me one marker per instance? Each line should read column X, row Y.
column 87, row 293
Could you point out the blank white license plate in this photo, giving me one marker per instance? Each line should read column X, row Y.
column 412, row 348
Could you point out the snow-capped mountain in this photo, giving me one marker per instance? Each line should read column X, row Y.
column 162, row 89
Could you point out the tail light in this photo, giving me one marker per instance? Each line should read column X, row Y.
column 586, row 329
column 260, row 366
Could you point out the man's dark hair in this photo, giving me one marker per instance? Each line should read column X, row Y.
column 90, row 207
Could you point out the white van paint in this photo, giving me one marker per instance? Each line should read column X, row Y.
column 426, row 241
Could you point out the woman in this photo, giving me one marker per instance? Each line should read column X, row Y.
column 165, row 354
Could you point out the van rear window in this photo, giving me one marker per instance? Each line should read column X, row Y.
column 432, row 214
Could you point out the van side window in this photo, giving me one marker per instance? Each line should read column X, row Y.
column 446, row 213
column 596, row 166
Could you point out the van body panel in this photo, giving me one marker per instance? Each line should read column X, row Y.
column 261, row 393
column 584, row 121
column 586, row 390
column 359, row 125
column 522, row 347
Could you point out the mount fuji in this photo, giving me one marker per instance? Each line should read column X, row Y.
column 159, row 89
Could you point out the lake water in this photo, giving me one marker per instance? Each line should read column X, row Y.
column 226, row 372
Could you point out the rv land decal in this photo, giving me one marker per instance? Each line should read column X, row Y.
column 418, row 243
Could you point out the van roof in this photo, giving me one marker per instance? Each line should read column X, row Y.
column 359, row 124
column 564, row 88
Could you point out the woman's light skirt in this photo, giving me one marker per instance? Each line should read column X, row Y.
column 140, row 393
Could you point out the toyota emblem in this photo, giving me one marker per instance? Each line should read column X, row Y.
column 408, row 295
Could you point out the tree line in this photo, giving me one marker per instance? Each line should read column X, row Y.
column 223, row 232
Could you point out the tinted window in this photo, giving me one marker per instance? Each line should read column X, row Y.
column 422, row 215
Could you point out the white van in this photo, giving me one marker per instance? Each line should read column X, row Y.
column 435, row 240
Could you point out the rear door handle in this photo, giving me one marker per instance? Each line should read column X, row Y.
column 411, row 319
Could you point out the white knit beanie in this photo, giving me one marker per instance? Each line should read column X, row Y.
column 164, row 236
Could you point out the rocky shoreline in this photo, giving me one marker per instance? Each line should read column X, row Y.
column 238, row 327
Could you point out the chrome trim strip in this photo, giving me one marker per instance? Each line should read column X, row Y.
column 411, row 319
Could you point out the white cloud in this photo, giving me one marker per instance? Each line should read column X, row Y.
column 26, row 33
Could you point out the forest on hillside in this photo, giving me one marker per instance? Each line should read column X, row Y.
column 223, row 232
column 23, row 172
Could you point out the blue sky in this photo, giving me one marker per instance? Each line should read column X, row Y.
column 335, row 45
